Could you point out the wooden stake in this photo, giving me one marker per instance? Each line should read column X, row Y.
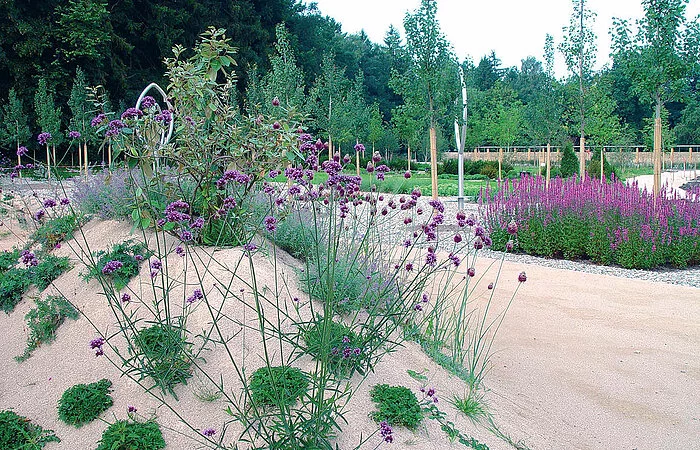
column 602, row 164
column 48, row 162
column 657, row 156
column 582, row 159
column 409, row 157
column 109, row 155
column 549, row 165
column 357, row 162
column 80, row 159
column 85, row 159
column 433, row 162
column 500, row 164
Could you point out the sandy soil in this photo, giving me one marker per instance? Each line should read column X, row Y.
column 582, row 361
column 672, row 180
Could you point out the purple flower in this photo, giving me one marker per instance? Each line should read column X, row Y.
column 131, row 409
column 522, row 277
column 74, row 134
column 197, row 224
column 273, row 173
column 65, row 201
column 179, row 251
column 407, row 174
column 359, row 148
column 457, row 238
column 126, row 298
column 409, row 267
column 510, row 245
column 21, row 151
column 186, row 235
column 490, row 286
column 386, row 432
column 174, row 212
column 96, row 344
column 430, row 259
column 512, row 227
column 196, row 295
column 276, row 126
column 208, row 432
column 190, row 121
column 148, row 102
column 437, row 204
column 165, row 117
column 347, row 352
column 28, row 258
column 270, row 224
column 39, row 215
column 138, row 257
column 43, row 138
column 275, row 101
column 132, row 113
column 98, row 120
column 471, row 271
column 250, row 247
column 111, row 267
column 49, row 203
column 156, row 264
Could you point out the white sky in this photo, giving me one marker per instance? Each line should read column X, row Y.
column 515, row 29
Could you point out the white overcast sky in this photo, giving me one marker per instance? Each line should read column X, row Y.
column 514, row 29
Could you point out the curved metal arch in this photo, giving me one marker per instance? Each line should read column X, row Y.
column 164, row 139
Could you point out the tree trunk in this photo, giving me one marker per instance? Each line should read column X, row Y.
column 433, row 162
column 657, row 147
column 549, row 165
column 409, row 157
column 48, row 162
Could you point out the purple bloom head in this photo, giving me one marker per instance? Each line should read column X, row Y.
column 29, row 259
column 276, row 126
column 21, row 151
column 65, row 201
column 74, row 134
column 471, row 271
column 179, row 251
column 43, row 138
column 275, row 101
column 39, row 215
column 126, row 298
column 132, row 113
column 164, row 117
column 49, row 203
column 148, row 102
column 208, row 432
column 131, row 409
column 196, row 295
column 522, row 277
column 359, row 148
column 98, row 120
column 270, row 224
column 111, row 267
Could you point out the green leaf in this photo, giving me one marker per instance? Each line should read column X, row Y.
column 170, row 226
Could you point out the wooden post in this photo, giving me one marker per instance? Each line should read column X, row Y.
column 19, row 161
column 657, row 156
column 357, row 162
column 549, row 165
column 80, row 159
column 582, row 159
column 529, row 150
column 636, row 157
column 53, row 152
column 85, row 159
column 109, row 155
column 409, row 157
column 48, row 162
column 433, row 162
column 500, row 164
column 602, row 164
column 330, row 148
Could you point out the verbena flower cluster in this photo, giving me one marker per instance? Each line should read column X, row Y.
column 609, row 223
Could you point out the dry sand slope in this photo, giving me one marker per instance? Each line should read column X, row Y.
column 582, row 361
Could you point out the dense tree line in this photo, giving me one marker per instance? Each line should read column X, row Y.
column 349, row 88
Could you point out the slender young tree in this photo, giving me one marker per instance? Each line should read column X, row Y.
column 659, row 58
column 579, row 50
column 15, row 128
column 430, row 54
column 328, row 94
column 48, row 117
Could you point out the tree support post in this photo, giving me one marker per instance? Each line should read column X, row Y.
column 657, row 156
column 549, row 165
column 433, row 162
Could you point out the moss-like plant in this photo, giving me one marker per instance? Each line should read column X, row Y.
column 278, row 386
column 164, row 355
column 8, row 259
column 130, row 435
column 18, row 433
column 338, row 345
column 397, row 405
column 126, row 253
column 43, row 321
column 84, row 403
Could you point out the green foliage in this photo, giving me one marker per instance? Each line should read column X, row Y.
column 13, row 283
column 84, row 403
column 569, row 161
column 125, row 253
column 335, row 343
column 294, row 235
column 48, row 116
column 78, row 103
column 131, row 435
column 163, row 355
column 43, row 320
column 471, row 405
column 49, row 268
column 14, row 129
column 278, row 386
column 396, row 405
column 55, row 230
column 18, row 433
column 8, row 259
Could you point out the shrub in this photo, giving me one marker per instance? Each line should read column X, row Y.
column 84, row 403
column 43, row 321
column 55, row 230
column 278, row 386
column 12, row 285
column 49, row 268
column 126, row 253
column 569, row 161
column 294, row 236
column 131, row 435
column 107, row 195
column 396, row 405
column 164, row 352
column 18, row 433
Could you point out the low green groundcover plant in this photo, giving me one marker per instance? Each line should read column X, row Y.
column 44, row 319
column 8, row 259
column 12, row 285
column 132, row 435
column 278, row 386
column 164, row 355
column 18, row 433
column 397, row 405
column 55, row 231
column 84, row 403
column 343, row 351
column 49, row 268
column 128, row 254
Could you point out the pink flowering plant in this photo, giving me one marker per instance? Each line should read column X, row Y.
column 608, row 223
